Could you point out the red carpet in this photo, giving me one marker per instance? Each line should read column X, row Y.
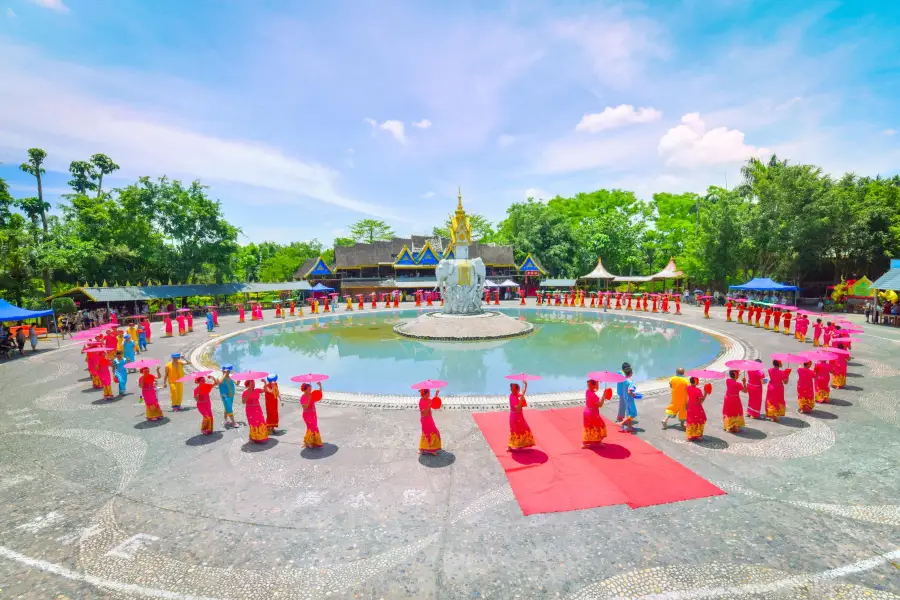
column 558, row 475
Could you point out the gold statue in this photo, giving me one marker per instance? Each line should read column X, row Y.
column 460, row 228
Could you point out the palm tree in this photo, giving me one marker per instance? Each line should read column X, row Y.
column 34, row 166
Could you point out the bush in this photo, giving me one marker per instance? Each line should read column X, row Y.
column 63, row 306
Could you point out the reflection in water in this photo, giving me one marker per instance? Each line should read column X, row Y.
column 363, row 354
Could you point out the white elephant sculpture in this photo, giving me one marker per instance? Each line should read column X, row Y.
column 461, row 298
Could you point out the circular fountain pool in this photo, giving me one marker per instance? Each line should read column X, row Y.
column 362, row 354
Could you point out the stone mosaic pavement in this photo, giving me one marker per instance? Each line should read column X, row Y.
column 97, row 504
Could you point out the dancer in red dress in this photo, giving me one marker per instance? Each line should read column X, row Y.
column 273, row 399
column 778, row 377
column 806, row 388
column 594, row 429
column 696, row 415
column 732, row 409
column 728, row 306
column 755, row 380
column 204, row 404
column 520, row 436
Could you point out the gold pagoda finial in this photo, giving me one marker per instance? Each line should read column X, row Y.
column 459, row 207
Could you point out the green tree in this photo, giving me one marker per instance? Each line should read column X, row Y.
column 371, row 230
column 104, row 166
column 82, row 174
column 535, row 228
column 34, row 166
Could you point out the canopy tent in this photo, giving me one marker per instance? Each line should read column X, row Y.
column 764, row 284
column 599, row 272
column 509, row 283
column 8, row 312
column 631, row 279
column 322, row 288
column 490, row 284
column 891, row 279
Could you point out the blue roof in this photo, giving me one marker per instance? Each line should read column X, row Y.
column 450, row 254
column 764, row 284
column 529, row 265
column 8, row 312
column 427, row 257
column 405, row 259
column 322, row 288
column 320, row 268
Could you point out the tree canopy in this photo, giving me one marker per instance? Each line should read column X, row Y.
column 788, row 221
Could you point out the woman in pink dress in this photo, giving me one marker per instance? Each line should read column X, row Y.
column 696, row 415
column 168, row 325
column 92, row 360
column 312, row 439
column 182, row 325
column 732, row 409
column 204, row 404
column 806, row 392
column 259, row 433
column 775, row 407
column 520, row 435
column 430, row 440
column 147, row 383
column 755, row 380
column 823, row 381
column 146, row 328
column 594, row 429
column 190, row 321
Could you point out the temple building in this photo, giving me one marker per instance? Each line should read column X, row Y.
column 408, row 264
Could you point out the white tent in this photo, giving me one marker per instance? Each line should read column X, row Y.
column 490, row 284
column 509, row 283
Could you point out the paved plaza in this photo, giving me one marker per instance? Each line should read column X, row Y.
column 99, row 503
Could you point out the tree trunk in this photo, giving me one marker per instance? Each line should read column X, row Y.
column 100, row 184
column 48, row 283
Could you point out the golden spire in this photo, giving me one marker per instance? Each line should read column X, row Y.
column 459, row 207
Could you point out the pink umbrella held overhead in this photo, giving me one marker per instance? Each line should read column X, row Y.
column 248, row 375
column 838, row 351
column 429, row 384
column 745, row 365
column 100, row 349
column 145, row 363
column 309, row 378
column 162, row 314
column 706, row 374
column 606, row 377
column 523, row 377
column 846, row 340
column 785, row 357
column 819, row 355
column 192, row 376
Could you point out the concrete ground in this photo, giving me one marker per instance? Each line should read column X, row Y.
column 98, row 503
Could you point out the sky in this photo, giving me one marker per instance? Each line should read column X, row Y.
column 304, row 117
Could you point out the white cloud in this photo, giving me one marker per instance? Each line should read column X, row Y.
column 423, row 124
column 889, row 131
column 394, row 127
column 619, row 116
column 52, row 5
column 613, row 152
column 506, row 140
column 64, row 109
column 350, row 162
column 690, row 145
column 10, row 14
column 427, row 195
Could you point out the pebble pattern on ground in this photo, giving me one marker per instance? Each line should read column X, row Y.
column 99, row 503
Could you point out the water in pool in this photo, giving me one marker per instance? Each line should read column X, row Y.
column 361, row 352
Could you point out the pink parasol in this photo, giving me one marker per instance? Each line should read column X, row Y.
column 183, row 310
column 429, row 384
column 523, row 377
column 163, row 314
column 248, row 375
column 192, row 376
column 606, row 377
column 838, row 351
column 145, row 363
column 741, row 300
column 99, row 349
column 845, row 340
column 789, row 358
column 745, row 365
column 818, row 355
column 706, row 374
column 309, row 378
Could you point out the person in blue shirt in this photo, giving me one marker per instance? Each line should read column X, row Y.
column 630, row 406
column 226, row 391
column 209, row 321
column 128, row 348
column 622, row 391
column 119, row 366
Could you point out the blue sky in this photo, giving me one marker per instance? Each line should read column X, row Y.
column 304, row 117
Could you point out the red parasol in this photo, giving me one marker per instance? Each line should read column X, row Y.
column 192, row 376
column 145, row 363
column 429, row 384
column 745, row 365
column 523, row 377
column 606, row 377
column 248, row 375
column 706, row 374
column 309, row 378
